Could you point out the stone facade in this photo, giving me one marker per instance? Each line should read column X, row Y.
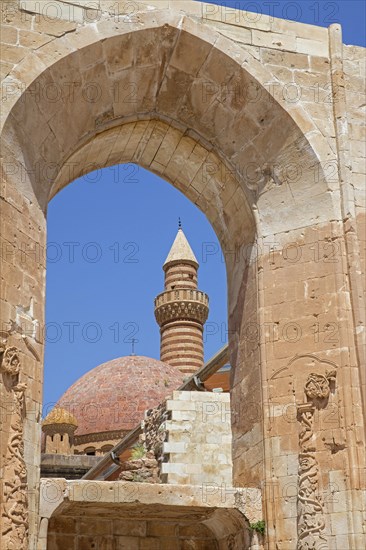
column 185, row 441
column 259, row 122
column 198, row 439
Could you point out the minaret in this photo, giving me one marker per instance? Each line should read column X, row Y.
column 181, row 310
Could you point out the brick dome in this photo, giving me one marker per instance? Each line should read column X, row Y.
column 114, row 396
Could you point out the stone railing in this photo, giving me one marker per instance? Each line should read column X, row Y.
column 180, row 304
column 181, row 294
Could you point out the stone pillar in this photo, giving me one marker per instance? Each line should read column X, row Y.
column 181, row 310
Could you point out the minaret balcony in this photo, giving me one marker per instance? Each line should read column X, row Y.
column 179, row 304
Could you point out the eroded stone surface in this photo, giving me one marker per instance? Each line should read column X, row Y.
column 151, row 516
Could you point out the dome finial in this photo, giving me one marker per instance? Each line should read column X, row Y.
column 133, row 342
column 179, row 223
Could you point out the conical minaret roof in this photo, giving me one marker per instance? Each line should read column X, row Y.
column 181, row 252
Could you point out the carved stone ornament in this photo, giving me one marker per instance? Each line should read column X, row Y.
column 309, row 504
column 10, row 362
column 173, row 311
column 317, row 386
column 310, row 511
column 14, row 511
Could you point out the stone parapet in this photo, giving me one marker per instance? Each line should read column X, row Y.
column 253, row 29
column 67, row 466
column 56, row 492
column 181, row 304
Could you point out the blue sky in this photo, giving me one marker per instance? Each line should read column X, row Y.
column 109, row 234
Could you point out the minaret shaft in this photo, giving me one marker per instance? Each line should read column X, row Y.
column 182, row 345
column 181, row 276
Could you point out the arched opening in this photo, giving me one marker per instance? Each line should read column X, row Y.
column 133, row 524
column 104, row 270
column 90, row 451
column 106, row 448
column 156, row 104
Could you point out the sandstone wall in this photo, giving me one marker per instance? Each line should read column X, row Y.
column 355, row 100
column 83, row 533
column 256, row 120
column 198, row 442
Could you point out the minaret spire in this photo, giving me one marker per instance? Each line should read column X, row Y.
column 181, row 252
column 181, row 310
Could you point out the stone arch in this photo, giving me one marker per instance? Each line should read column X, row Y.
column 239, row 155
column 167, row 75
column 173, row 68
column 153, row 516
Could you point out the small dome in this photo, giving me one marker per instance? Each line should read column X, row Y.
column 114, row 396
column 59, row 415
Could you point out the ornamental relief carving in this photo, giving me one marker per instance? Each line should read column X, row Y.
column 313, row 378
column 310, row 509
column 180, row 310
column 317, row 386
column 14, row 511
